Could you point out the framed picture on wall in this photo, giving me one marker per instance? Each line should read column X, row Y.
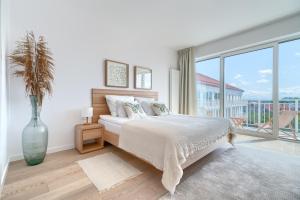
column 142, row 78
column 116, row 74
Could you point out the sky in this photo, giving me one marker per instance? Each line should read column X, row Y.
column 252, row 72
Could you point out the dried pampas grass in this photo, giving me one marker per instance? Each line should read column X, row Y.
column 35, row 65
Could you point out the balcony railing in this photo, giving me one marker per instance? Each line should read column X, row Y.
column 253, row 112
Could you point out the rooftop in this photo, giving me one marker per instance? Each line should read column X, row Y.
column 206, row 80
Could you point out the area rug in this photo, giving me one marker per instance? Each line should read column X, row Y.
column 242, row 173
column 107, row 170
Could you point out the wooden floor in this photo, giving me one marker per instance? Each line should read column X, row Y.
column 60, row 177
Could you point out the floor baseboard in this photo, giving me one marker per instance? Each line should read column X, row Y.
column 49, row 151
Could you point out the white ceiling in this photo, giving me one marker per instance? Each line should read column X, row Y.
column 173, row 24
column 182, row 23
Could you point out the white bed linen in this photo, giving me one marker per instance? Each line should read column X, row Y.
column 112, row 124
column 112, row 127
column 115, row 120
column 168, row 141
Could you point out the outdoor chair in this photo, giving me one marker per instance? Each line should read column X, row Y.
column 285, row 121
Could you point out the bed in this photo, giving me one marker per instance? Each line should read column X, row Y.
column 169, row 143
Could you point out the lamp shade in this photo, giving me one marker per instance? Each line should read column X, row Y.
column 87, row 112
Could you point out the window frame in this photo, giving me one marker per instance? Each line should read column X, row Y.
column 274, row 44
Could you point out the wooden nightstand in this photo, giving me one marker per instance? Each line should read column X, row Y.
column 88, row 137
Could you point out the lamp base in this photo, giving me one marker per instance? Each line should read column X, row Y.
column 86, row 121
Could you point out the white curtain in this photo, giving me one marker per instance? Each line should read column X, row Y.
column 186, row 64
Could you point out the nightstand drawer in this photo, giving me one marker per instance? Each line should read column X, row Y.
column 89, row 137
column 91, row 134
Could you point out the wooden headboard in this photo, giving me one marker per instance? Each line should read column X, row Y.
column 99, row 101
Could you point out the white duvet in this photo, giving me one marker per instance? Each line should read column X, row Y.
column 167, row 141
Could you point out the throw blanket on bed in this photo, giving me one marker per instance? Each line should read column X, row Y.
column 167, row 141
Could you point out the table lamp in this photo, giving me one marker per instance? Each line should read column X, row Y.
column 86, row 113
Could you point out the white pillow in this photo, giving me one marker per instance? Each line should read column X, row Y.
column 147, row 107
column 146, row 104
column 112, row 102
column 160, row 109
column 134, row 110
column 140, row 99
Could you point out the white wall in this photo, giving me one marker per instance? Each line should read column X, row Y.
column 81, row 34
column 3, row 97
column 286, row 26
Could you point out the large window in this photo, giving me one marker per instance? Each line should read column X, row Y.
column 261, row 89
column 208, row 87
column 248, row 89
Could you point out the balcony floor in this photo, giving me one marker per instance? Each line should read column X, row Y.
column 282, row 134
column 283, row 146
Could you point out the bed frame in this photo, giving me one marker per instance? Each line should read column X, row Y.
column 100, row 106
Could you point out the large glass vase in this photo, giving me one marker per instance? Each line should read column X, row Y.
column 35, row 136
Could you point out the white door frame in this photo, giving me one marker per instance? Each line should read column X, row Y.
column 275, row 90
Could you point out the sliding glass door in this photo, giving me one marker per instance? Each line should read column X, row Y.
column 257, row 89
column 208, row 87
column 248, row 90
column 289, row 89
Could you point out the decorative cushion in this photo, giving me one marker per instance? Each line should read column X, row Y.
column 112, row 102
column 120, row 109
column 134, row 110
column 160, row 109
